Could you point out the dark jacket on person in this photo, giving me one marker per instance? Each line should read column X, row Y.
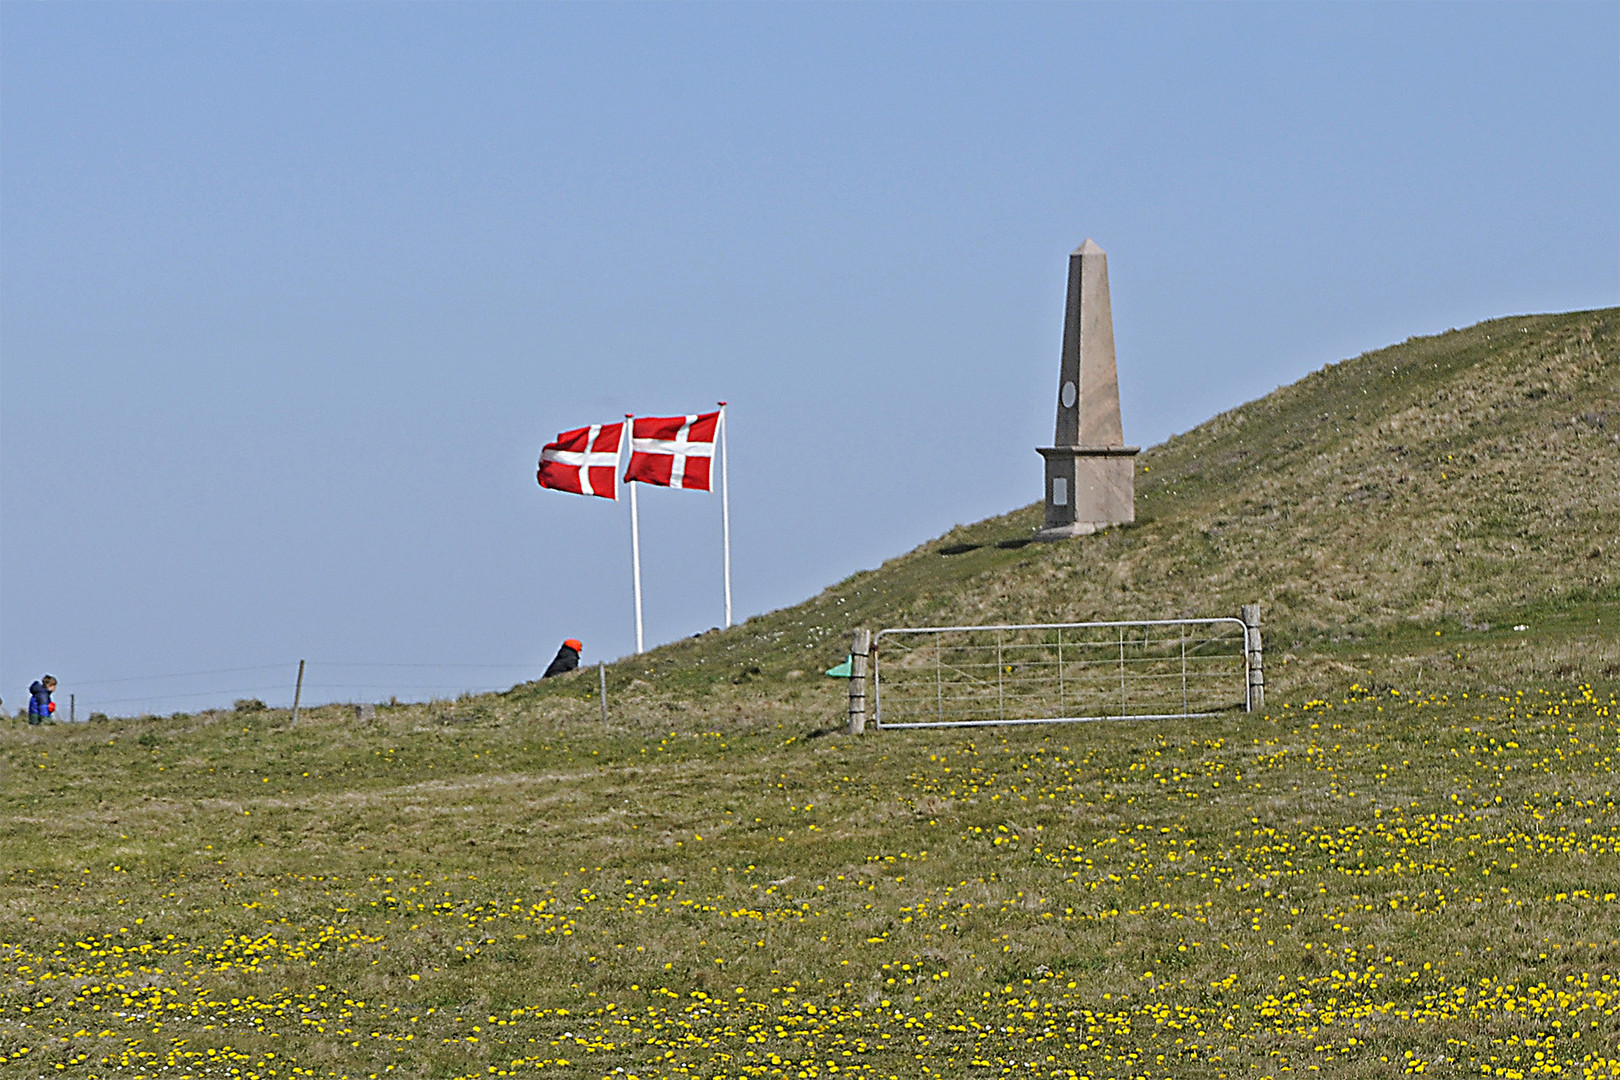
column 39, row 705
column 567, row 660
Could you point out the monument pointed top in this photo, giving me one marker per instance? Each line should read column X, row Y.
column 1089, row 248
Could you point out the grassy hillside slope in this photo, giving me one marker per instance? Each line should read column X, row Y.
column 1405, row 864
column 1467, row 482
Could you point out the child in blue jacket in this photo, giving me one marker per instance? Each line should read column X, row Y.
column 40, row 705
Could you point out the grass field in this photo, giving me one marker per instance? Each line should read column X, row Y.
column 1408, row 862
column 1378, row 884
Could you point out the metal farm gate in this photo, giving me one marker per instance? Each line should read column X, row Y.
column 1052, row 673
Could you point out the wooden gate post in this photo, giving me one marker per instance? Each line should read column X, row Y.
column 298, row 691
column 858, row 652
column 1254, row 654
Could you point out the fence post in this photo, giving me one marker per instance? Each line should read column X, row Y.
column 298, row 691
column 1255, row 657
column 601, row 680
column 858, row 652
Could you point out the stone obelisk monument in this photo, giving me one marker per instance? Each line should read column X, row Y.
column 1090, row 472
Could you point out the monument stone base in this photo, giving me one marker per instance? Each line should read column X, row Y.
column 1053, row 533
column 1088, row 488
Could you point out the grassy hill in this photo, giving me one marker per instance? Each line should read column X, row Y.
column 1466, row 483
column 1405, row 864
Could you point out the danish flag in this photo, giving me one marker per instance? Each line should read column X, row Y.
column 584, row 461
column 673, row 451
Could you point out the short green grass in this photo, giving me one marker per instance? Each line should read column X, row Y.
column 1408, row 862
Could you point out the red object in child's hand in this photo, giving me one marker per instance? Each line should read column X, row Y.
column 51, row 708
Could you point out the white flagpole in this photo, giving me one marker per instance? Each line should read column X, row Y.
column 635, row 537
column 725, row 510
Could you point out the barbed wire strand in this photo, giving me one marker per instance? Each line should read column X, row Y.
column 182, row 674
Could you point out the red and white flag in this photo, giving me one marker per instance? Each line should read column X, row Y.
column 673, row 451
column 584, row 461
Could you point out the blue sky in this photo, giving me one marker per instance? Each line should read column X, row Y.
column 291, row 295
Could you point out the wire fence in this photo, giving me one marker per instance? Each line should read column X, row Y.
column 963, row 676
column 325, row 682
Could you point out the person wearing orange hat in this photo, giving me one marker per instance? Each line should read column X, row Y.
column 567, row 659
